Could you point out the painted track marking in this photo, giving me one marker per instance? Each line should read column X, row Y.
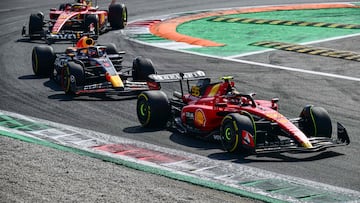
column 225, row 176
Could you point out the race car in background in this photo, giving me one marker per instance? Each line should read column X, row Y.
column 88, row 69
column 217, row 111
column 74, row 20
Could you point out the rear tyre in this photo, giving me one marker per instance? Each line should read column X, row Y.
column 233, row 128
column 73, row 76
column 36, row 23
column 142, row 68
column 153, row 109
column 118, row 16
column 92, row 19
column 315, row 122
column 43, row 58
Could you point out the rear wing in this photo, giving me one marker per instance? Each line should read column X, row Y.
column 175, row 77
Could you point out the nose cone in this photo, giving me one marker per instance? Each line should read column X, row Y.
column 115, row 81
column 307, row 145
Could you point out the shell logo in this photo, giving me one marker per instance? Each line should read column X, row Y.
column 199, row 118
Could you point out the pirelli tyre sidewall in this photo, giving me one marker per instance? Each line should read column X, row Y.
column 231, row 129
column 315, row 122
column 73, row 76
column 43, row 58
column 142, row 68
column 118, row 16
column 153, row 108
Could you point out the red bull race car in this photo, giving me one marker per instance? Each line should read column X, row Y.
column 217, row 111
column 88, row 68
column 74, row 20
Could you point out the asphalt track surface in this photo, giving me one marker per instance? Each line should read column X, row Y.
column 23, row 93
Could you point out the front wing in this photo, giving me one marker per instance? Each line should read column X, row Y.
column 130, row 88
column 61, row 36
column 319, row 143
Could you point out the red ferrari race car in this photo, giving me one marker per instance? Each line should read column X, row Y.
column 74, row 20
column 218, row 112
column 88, row 68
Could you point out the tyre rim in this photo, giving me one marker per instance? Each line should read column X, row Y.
column 144, row 112
column 142, row 109
column 231, row 139
column 228, row 134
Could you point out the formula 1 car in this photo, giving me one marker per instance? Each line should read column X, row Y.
column 74, row 20
column 217, row 111
column 88, row 68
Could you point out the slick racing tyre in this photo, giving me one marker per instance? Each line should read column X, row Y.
column 153, row 109
column 118, row 16
column 36, row 23
column 111, row 48
column 315, row 122
column 237, row 133
column 142, row 68
column 43, row 58
column 92, row 19
column 73, row 76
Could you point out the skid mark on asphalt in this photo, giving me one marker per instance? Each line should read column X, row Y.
column 283, row 22
column 306, row 49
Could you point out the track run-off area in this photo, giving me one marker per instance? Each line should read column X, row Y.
column 301, row 53
column 233, row 33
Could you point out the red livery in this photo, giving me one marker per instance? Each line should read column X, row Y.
column 74, row 20
column 218, row 111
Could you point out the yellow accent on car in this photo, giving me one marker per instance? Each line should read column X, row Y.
column 307, row 145
column 116, row 81
column 214, row 90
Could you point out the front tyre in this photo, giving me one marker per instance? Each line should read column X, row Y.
column 237, row 133
column 315, row 122
column 43, row 58
column 111, row 48
column 153, row 109
column 142, row 68
column 73, row 76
